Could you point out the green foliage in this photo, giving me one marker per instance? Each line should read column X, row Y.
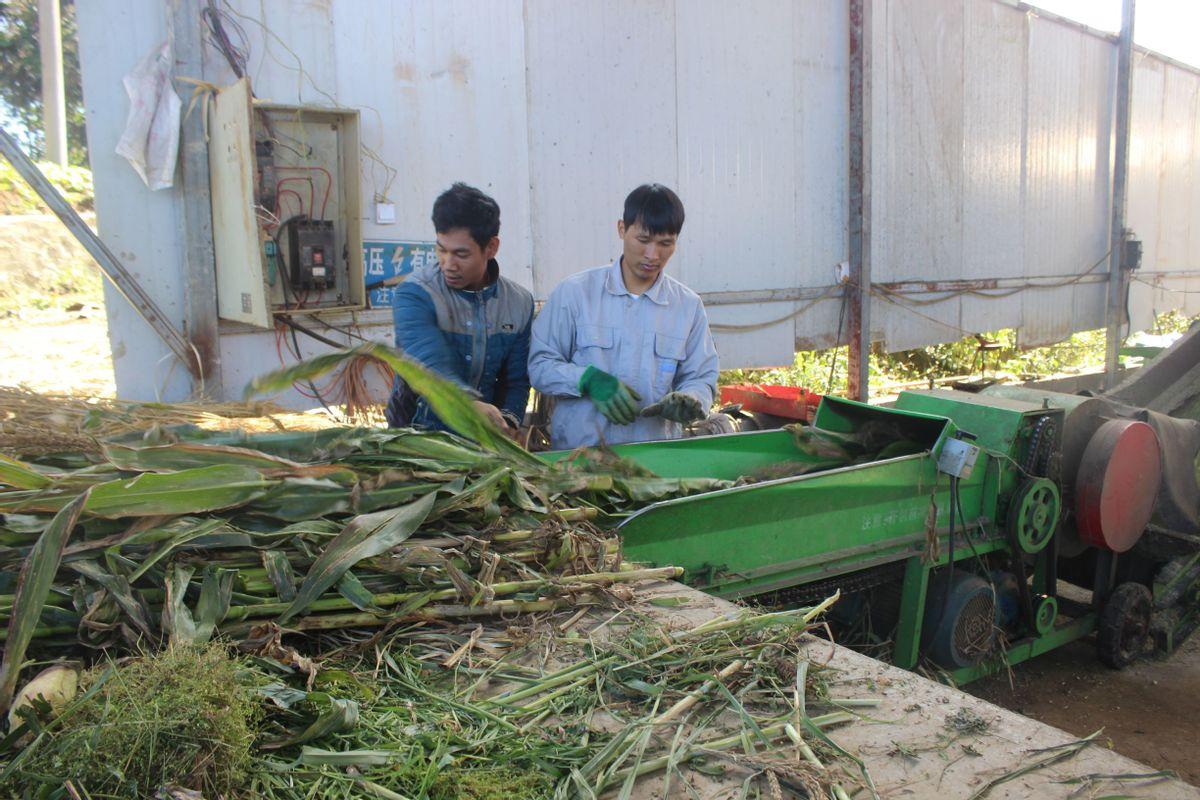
column 499, row 783
column 1083, row 350
column 21, row 74
column 179, row 717
column 16, row 196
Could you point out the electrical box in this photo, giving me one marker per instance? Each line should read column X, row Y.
column 957, row 458
column 286, row 207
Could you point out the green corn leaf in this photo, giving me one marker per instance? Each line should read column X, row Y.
column 351, row 588
column 454, row 406
column 187, row 491
column 648, row 490
column 298, row 499
column 479, row 494
column 213, row 605
column 393, row 496
column 342, row 715
column 313, row 756
column 365, row 536
column 436, row 451
column 20, row 475
column 177, row 620
column 279, row 572
column 191, row 455
column 33, row 588
column 119, row 590
column 178, row 532
column 282, row 695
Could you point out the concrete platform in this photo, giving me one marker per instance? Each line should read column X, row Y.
column 906, row 745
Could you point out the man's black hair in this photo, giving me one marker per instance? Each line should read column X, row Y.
column 656, row 208
column 463, row 206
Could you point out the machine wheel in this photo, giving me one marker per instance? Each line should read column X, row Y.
column 1034, row 513
column 1124, row 625
column 1047, row 612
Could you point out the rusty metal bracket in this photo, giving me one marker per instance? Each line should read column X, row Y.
column 113, row 269
column 859, row 196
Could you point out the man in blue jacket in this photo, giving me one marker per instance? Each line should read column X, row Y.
column 612, row 338
column 462, row 320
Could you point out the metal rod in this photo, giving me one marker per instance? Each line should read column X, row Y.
column 859, row 243
column 1115, row 317
column 116, row 273
column 199, row 259
column 54, row 98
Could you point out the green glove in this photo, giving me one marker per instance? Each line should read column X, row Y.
column 616, row 401
column 677, row 407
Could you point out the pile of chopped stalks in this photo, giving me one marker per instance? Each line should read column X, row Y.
column 34, row 424
column 181, row 536
column 436, row 711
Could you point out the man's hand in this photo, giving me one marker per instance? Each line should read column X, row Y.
column 496, row 418
column 677, row 407
column 616, row 401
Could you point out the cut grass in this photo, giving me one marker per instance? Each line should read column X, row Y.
column 176, row 718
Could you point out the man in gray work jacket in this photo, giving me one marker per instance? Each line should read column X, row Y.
column 625, row 348
column 462, row 320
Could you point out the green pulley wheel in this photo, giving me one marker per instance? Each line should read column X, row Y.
column 1034, row 513
column 1047, row 612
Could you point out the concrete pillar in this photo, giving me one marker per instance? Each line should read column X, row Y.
column 54, row 95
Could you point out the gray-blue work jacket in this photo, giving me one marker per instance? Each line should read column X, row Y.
column 657, row 343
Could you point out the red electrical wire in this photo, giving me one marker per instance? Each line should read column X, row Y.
column 311, row 190
column 279, row 201
column 280, row 337
column 328, row 184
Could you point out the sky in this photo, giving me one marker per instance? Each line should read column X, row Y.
column 1172, row 27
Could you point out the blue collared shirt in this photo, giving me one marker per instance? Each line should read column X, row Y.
column 656, row 342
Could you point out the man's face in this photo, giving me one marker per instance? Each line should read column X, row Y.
column 463, row 261
column 645, row 256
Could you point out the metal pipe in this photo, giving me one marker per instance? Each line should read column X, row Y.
column 859, row 243
column 120, row 277
column 199, row 259
column 1115, row 317
column 54, row 98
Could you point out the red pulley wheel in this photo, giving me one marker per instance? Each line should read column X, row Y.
column 1117, row 484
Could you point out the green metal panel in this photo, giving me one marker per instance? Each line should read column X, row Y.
column 847, row 416
column 912, row 613
column 727, row 457
column 1038, row 397
column 997, row 421
column 766, row 536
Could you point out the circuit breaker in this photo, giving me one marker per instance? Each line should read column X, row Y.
column 312, row 256
column 286, row 208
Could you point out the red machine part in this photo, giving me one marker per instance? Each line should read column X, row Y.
column 791, row 402
column 1117, row 483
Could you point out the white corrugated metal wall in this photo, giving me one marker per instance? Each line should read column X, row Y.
column 989, row 150
column 1164, row 188
column 991, row 142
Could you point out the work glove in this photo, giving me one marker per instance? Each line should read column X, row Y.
column 677, row 407
column 616, row 401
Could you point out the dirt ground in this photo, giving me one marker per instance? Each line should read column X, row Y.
column 53, row 334
column 1150, row 711
column 55, row 351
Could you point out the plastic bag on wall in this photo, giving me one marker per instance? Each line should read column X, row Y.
column 150, row 141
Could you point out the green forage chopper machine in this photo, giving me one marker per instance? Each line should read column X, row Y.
column 967, row 531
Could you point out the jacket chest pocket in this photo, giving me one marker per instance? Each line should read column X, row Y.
column 594, row 345
column 668, row 353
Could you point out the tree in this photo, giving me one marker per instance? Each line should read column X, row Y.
column 21, row 75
